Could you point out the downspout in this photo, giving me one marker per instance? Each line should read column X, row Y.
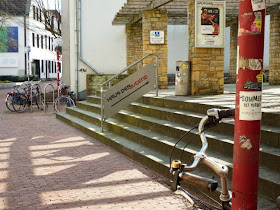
column 77, row 48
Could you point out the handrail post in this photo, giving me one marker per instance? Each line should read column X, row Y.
column 156, row 75
column 102, row 108
column 138, row 66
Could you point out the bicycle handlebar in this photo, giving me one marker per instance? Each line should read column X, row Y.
column 220, row 113
column 179, row 171
column 213, row 117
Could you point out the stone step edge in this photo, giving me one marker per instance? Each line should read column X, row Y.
column 80, row 125
column 265, row 148
column 266, row 114
column 263, row 171
column 267, row 128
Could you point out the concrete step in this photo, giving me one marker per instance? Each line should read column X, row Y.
column 147, row 131
column 157, row 161
column 269, row 135
column 197, row 105
column 163, row 121
column 182, row 111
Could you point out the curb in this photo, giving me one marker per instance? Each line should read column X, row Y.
column 9, row 85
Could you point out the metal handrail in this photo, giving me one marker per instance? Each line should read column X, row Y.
column 49, row 84
column 128, row 67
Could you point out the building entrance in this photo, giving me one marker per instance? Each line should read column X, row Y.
column 36, row 68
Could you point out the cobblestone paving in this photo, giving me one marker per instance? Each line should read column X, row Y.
column 46, row 164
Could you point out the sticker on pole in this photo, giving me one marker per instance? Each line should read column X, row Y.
column 258, row 5
column 250, row 104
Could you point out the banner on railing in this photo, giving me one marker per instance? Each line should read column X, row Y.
column 129, row 90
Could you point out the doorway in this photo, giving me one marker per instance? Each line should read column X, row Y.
column 36, row 68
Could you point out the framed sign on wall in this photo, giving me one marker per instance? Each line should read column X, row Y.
column 156, row 37
column 210, row 24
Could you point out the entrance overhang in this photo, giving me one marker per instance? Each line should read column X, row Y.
column 177, row 10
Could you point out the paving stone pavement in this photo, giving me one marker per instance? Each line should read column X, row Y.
column 46, row 164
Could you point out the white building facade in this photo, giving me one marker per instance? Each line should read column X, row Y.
column 90, row 41
column 33, row 52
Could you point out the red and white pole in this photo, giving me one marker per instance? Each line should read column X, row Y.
column 248, row 104
column 58, row 70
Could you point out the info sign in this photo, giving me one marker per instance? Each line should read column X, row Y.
column 209, row 24
column 129, row 90
column 156, row 37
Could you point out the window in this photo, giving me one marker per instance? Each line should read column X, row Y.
column 37, row 13
column 52, row 23
column 49, row 43
column 42, row 66
column 40, row 15
column 33, row 39
column 52, row 44
column 42, row 41
column 38, row 41
column 34, row 12
column 55, row 67
column 46, row 42
column 49, row 64
column 46, row 67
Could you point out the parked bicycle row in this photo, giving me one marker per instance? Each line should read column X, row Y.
column 29, row 94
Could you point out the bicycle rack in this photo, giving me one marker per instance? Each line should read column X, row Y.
column 31, row 95
column 45, row 94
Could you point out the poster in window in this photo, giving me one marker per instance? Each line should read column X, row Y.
column 209, row 24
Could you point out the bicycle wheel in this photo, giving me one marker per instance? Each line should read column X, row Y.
column 39, row 100
column 62, row 102
column 36, row 89
column 20, row 103
column 9, row 102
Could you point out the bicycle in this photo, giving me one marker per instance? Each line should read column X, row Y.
column 66, row 99
column 180, row 172
column 32, row 94
column 12, row 95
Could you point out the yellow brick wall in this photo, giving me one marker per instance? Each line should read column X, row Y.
column 207, row 64
column 233, row 51
column 274, row 51
column 134, row 44
column 156, row 19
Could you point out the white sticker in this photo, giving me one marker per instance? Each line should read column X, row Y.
column 250, row 103
column 255, row 64
column 245, row 143
column 258, row 5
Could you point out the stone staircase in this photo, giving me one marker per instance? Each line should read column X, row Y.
column 147, row 130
